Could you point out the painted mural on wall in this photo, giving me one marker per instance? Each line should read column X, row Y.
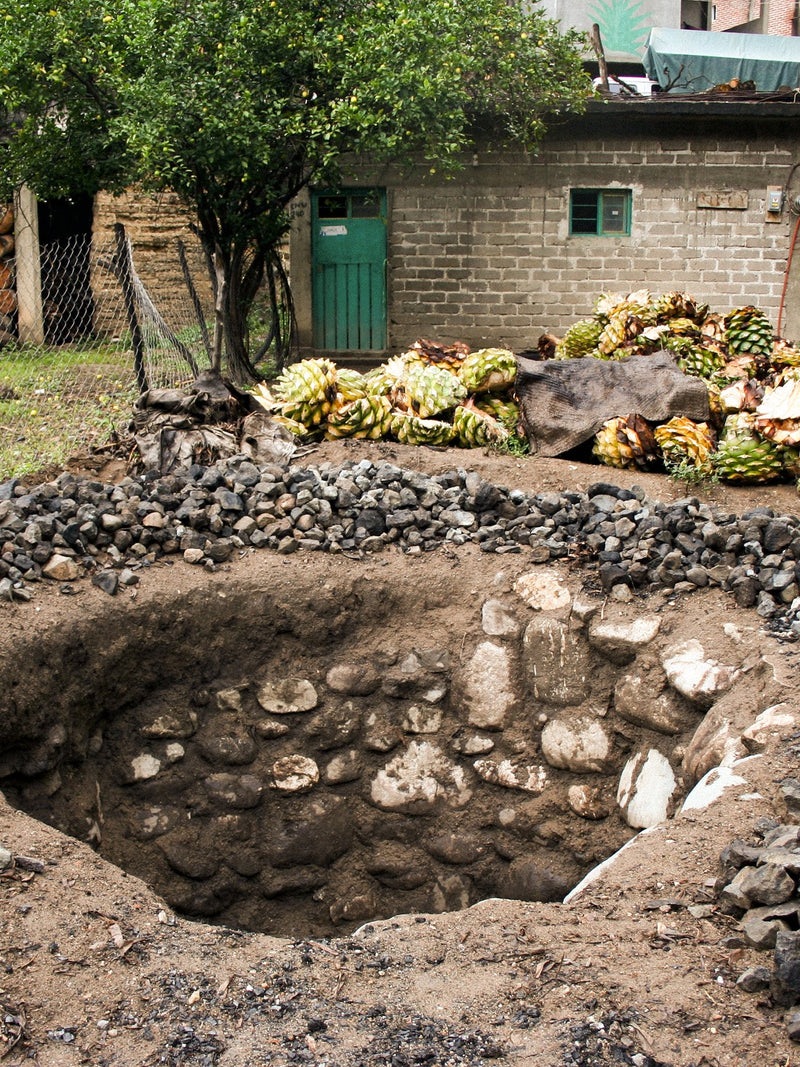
column 624, row 24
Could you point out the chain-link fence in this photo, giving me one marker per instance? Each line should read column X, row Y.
column 81, row 336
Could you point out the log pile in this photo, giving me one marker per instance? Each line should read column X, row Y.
column 8, row 293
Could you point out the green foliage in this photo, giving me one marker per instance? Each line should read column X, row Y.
column 515, row 444
column 236, row 105
column 689, row 474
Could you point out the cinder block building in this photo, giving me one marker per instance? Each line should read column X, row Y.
column 692, row 193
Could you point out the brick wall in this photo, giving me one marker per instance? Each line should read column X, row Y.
column 488, row 257
column 780, row 14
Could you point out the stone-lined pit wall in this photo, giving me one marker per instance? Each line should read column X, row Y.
column 487, row 257
column 290, row 761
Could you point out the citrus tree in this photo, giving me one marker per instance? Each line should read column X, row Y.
column 236, row 105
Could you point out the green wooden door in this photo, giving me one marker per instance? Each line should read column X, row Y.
column 349, row 270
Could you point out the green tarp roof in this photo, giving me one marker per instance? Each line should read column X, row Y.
column 695, row 60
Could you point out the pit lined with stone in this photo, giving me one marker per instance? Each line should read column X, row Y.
column 319, row 745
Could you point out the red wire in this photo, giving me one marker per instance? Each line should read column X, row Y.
column 786, row 274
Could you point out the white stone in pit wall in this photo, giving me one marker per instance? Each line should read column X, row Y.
column 580, row 745
column 144, row 767
column 418, row 777
column 499, row 620
column 486, row 687
column 543, row 590
column 294, row 774
column 699, row 679
column 646, row 787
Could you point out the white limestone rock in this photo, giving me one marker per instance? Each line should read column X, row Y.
column 621, row 641
column 294, row 774
column 530, row 778
column 485, row 687
column 543, row 590
column 230, row 700
column 420, row 720
column 699, row 679
column 287, row 696
column 580, row 744
column 145, row 767
column 774, row 722
column 419, row 777
column 589, row 802
column 646, row 787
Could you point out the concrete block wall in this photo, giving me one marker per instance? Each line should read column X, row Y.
column 488, row 258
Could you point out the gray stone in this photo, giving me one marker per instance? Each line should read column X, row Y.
column 234, row 790
column 533, row 879
column 235, row 750
column 353, row 679
column 558, row 662
column 344, row 767
column 398, row 866
column 791, row 1021
column 790, row 793
column 642, row 697
column 320, row 834
column 456, row 848
column 754, row 979
column 785, row 982
column 760, row 926
column 186, row 855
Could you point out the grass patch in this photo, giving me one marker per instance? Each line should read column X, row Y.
column 55, row 402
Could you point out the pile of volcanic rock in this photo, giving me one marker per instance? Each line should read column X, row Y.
column 759, row 884
column 210, row 514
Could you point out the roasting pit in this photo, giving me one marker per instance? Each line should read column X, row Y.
column 300, row 746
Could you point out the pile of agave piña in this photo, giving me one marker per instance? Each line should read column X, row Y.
column 753, row 381
column 448, row 395
column 429, row 395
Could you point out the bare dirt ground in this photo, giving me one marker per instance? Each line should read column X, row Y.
column 95, row 969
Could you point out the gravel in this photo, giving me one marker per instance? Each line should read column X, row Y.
column 75, row 526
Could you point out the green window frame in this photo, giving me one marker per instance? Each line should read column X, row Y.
column 600, row 212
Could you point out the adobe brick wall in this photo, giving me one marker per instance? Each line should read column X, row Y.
column 487, row 257
column 154, row 224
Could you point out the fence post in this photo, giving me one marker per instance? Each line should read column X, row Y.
column 123, row 272
column 30, row 320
